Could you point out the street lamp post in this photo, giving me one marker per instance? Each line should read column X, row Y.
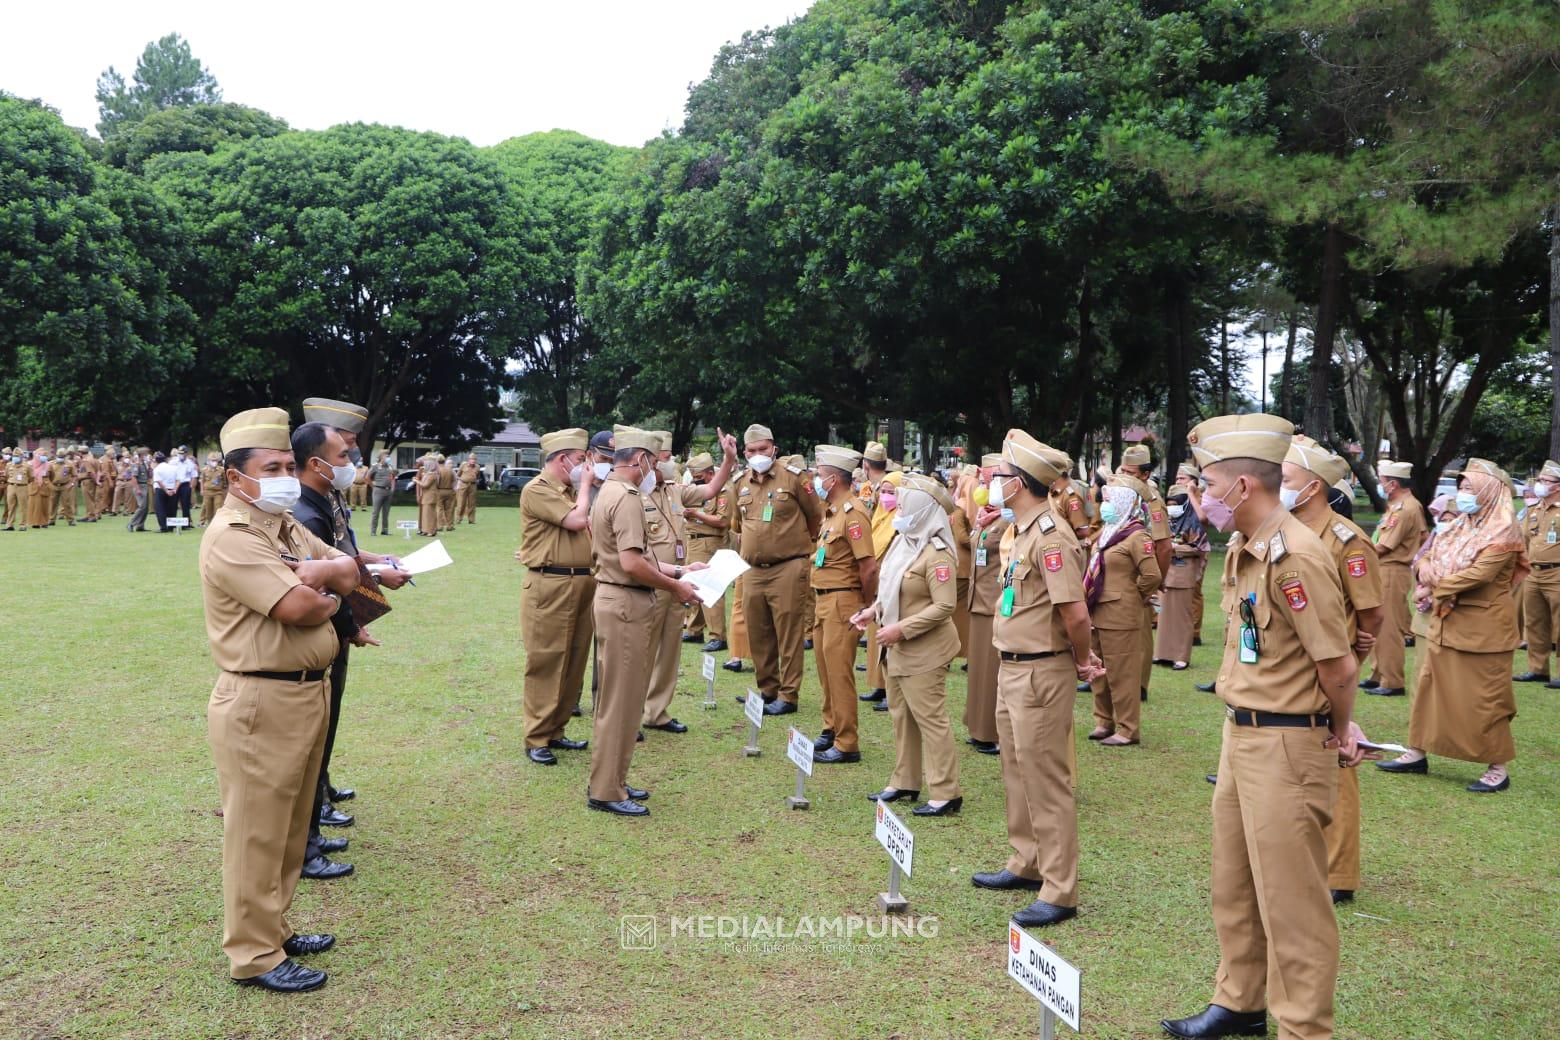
column 1264, row 326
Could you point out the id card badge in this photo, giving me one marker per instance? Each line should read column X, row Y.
column 818, row 559
column 1553, row 537
column 1248, row 645
column 769, row 512
column 681, row 552
column 1007, row 601
column 980, row 556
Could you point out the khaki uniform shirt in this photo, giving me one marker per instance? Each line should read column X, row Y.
column 361, row 479
column 1131, row 575
column 1482, row 618
column 210, row 479
column 1158, row 518
column 544, row 502
column 960, row 522
column 986, row 567
column 1541, row 525
column 1042, row 561
column 468, row 473
column 61, row 474
column 243, row 576
column 446, row 477
column 617, row 522
column 1401, row 531
column 927, row 599
column 18, row 473
column 792, row 510
column 1069, row 503
column 844, row 539
column 382, row 476
column 1359, row 570
column 1290, row 580
column 720, row 507
column 664, row 521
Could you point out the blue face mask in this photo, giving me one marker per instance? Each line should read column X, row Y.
column 1008, row 514
column 1467, row 503
column 1108, row 512
column 819, row 489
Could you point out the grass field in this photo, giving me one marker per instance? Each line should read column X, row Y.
column 487, row 901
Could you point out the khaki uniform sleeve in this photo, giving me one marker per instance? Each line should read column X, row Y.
column 1149, row 576
column 1061, row 561
column 245, row 565
column 1360, row 572
column 858, row 534
column 627, row 520
column 1318, row 620
column 939, row 568
column 1158, row 524
column 733, row 497
column 544, row 503
column 1486, row 567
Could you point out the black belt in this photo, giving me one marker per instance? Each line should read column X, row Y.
column 766, row 566
column 825, row 592
column 1264, row 719
column 1545, row 566
column 302, row 675
column 1027, row 657
column 568, row 572
column 620, row 585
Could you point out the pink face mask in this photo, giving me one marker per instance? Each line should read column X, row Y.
column 1220, row 514
column 889, row 500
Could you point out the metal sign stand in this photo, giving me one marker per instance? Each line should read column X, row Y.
column 799, row 799
column 752, row 750
column 891, row 902
column 1047, row 1024
column 709, row 683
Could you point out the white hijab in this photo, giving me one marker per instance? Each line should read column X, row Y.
column 927, row 519
column 1127, row 508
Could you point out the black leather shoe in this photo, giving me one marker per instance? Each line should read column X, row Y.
column 329, row 845
column 1197, row 640
column 1218, row 1021
column 948, row 808
column 714, row 646
column 340, row 794
column 287, row 977
column 639, row 738
column 861, row 667
column 541, row 756
column 1422, row 766
column 780, row 707
column 732, row 666
column 1084, row 687
column 1143, row 695
column 985, row 747
column 578, row 712
column 330, row 816
column 1212, row 778
column 1041, row 914
column 1342, row 895
column 1553, row 684
column 873, row 695
column 1207, row 687
column 1530, row 677
column 880, row 706
column 303, row 945
column 638, row 794
column 628, row 807
column 321, row 868
column 742, row 699
column 824, row 741
column 1369, row 684
column 892, row 794
column 1408, row 641
column 1480, row 787
column 671, row 726
column 1005, row 879
column 807, row 644
column 1383, row 691
column 835, row 756
column 692, row 637
column 565, row 744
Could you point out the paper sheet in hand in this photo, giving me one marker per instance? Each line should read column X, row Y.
column 1371, row 745
column 713, row 582
column 428, row 558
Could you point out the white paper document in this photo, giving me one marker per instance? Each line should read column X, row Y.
column 1372, row 745
column 712, row 583
column 429, row 558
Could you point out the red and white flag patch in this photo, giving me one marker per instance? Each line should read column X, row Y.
column 943, row 572
column 1294, row 592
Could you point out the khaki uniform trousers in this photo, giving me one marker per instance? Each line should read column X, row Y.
column 124, row 500
column 1395, row 587
column 774, row 604
column 209, row 504
column 466, row 504
column 1197, row 609
column 961, row 616
column 1173, row 637
column 701, row 549
column 834, row 652
column 1035, row 728
column 739, row 647
column 1541, row 617
column 556, row 625
column 1278, row 932
column 18, row 500
column 1117, row 706
column 105, row 496
column 623, row 619
column 980, row 702
column 1343, row 835
column 267, row 737
column 65, row 504
column 1146, row 665
column 666, row 646
column 428, row 512
column 918, row 706
column 446, row 508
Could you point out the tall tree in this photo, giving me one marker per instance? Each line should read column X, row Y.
column 167, row 75
column 197, row 128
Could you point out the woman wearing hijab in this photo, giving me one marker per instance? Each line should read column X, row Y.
column 1463, row 702
column 1121, row 577
column 960, row 491
column 1188, row 560
column 917, row 594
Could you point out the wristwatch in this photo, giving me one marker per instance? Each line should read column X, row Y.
column 677, row 574
column 337, row 598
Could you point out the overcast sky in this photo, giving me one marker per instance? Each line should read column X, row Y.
column 613, row 69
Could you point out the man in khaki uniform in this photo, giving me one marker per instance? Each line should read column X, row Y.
column 1309, row 469
column 1541, row 590
column 664, row 526
column 428, row 498
column 843, row 580
column 707, row 529
column 212, row 488
column 466, row 490
column 777, row 520
column 108, row 471
column 270, row 589
column 556, row 622
column 18, row 489
column 381, row 481
column 124, row 486
column 1186, row 477
column 627, row 577
column 1287, row 676
column 980, row 704
column 62, row 477
column 1042, row 636
column 1398, row 538
column 1137, row 461
column 446, row 494
column 359, row 493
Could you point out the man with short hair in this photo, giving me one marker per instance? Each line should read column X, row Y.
column 381, row 480
column 211, row 488
column 707, row 526
column 466, row 490
column 843, row 580
column 165, row 482
column 18, row 489
column 189, row 475
column 446, row 492
column 1541, row 590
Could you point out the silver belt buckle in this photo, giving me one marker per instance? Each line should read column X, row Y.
column 1229, row 712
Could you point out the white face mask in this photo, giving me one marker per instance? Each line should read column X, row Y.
column 1442, row 526
column 576, row 473
column 277, row 494
column 647, row 483
column 761, row 463
column 667, row 470
column 995, row 496
column 1175, row 511
column 1290, row 499
column 603, row 470
column 341, row 477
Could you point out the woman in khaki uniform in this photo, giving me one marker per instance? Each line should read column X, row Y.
column 1121, row 577
column 917, row 595
column 980, row 704
column 428, row 499
column 1177, row 598
column 1463, row 701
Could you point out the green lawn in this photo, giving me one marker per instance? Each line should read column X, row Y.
column 487, row 899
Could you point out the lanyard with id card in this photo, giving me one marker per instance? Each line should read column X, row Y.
column 1006, row 607
column 980, row 550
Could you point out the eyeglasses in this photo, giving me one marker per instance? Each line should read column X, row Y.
column 1248, row 617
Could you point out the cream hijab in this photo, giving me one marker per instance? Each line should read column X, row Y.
column 928, row 517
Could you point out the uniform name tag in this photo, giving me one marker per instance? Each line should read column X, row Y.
column 1552, row 537
column 818, row 559
column 769, row 512
column 980, row 557
column 1248, row 645
column 681, row 552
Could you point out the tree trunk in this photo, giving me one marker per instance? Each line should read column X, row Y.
column 1289, row 362
column 1554, row 330
column 1179, row 367
column 1224, row 364
column 1115, row 432
column 1318, row 404
column 896, row 440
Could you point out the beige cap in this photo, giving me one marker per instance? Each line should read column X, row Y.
column 1551, row 470
column 846, row 459
column 1139, row 488
column 933, row 488
column 1309, row 455
column 564, row 440
column 1395, row 470
column 257, row 428
column 895, row 467
column 1253, row 436
column 991, row 460
column 633, row 437
column 701, row 462
column 755, row 433
column 1032, row 456
column 796, row 462
column 875, row 452
column 665, row 437
column 1187, row 469
column 340, row 414
column 1137, row 455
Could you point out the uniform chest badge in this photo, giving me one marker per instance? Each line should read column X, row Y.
column 943, row 572
column 1052, row 555
column 1294, row 592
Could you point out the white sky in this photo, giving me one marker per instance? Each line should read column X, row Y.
column 612, row 69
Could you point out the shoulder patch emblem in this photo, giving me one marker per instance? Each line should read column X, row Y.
column 1047, row 525
column 1052, row 555
column 1356, row 564
column 1294, row 592
column 1157, row 517
column 854, row 530
column 1074, row 505
column 1148, row 546
column 943, row 572
column 1341, row 529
